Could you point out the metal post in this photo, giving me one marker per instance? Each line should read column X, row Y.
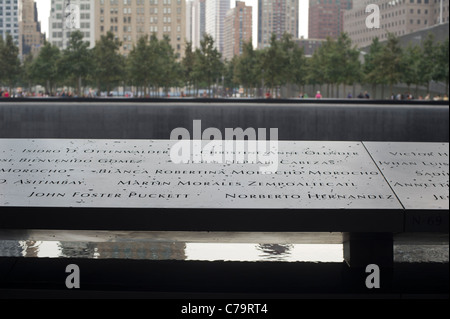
column 362, row 249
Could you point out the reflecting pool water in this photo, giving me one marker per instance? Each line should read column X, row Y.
column 247, row 247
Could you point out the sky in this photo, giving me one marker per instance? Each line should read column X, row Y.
column 45, row 5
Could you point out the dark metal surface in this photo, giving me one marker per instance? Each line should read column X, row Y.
column 349, row 120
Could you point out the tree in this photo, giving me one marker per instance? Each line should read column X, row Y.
column 108, row 63
column 76, row 63
column 372, row 73
column 208, row 64
column 272, row 64
column 348, row 65
column 411, row 73
column 246, row 68
column 170, row 74
column 320, row 67
column 44, row 70
column 230, row 82
column 390, row 61
column 9, row 62
column 138, row 65
column 298, row 67
column 442, row 64
column 26, row 79
column 187, row 65
column 154, row 66
column 427, row 63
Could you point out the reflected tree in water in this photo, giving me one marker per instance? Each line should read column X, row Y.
column 275, row 251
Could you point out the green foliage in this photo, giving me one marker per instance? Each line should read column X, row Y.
column 9, row 62
column 170, row 71
column 373, row 74
column 138, row 66
column 298, row 66
column 427, row 65
column 230, row 80
column 319, row 67
column 188, row 64
column 442, row 63
column 246, row 68
column 44, row 68
column 272, row 64
column 208, row 66
column 76, row 61
column 391, row 62
column 108, row 63
column 349, row 63
column 153, row 64
column 411, row 60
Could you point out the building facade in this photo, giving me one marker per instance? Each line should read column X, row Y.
column 326, row 18
column 215, row 12
column 66, row 16
column 277, row 17
column 9, row 19
column 400, row 18
column 31, row 38
column 238, row 29
column 130, row 20
column 309, row 46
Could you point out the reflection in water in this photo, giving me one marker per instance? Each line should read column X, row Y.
column 9, row 248
column 275, row 251
column 154, row 250
column 76, row 249
column 141, row 250
column 206, row 246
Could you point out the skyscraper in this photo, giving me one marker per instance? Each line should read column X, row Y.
column 189, row 20
column 396, row 17
column 276, row 17
column 216, row 11
column 326, row 18
column 69, row 15
column 195, row 21
column 238, row 29
column 9, row 19
column 130, row 20
column 31, row 37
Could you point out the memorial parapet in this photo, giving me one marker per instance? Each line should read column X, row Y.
column 134, row 184
column 419, row 175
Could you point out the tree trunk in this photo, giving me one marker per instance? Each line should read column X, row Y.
column 79, row 86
